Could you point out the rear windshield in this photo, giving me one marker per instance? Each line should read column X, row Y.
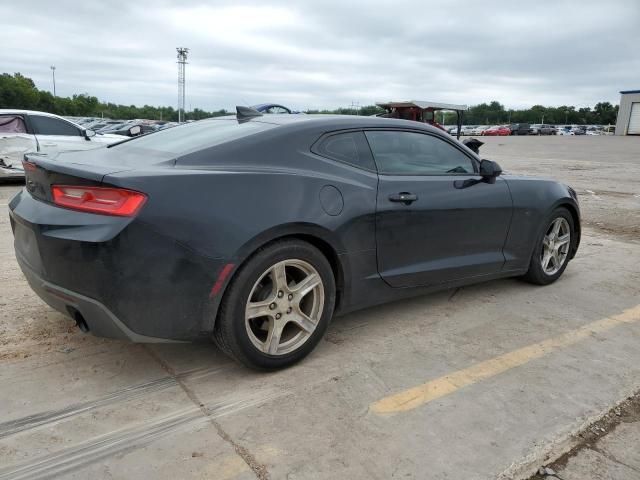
column 192, row 137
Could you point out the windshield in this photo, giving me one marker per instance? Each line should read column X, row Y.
column 195, row 136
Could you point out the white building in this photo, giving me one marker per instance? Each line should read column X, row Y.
column 628, row 122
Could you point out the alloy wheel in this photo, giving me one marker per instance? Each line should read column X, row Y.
column 284, row 307
column 555, row 246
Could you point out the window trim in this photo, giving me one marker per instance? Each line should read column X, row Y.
column 315, row 149
column 474, row 161
column 78, row 128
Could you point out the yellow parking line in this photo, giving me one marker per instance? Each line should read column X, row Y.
column 416, row 396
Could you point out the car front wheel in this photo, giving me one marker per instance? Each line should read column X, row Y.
column 553, row 249
column 277, row 307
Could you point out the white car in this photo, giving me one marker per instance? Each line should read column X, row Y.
column 564, row 130
column 25, row 131
column 479, row 130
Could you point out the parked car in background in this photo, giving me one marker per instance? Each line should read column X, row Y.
column 164, row 125
column 113, row 126
column 563, row 130
column 519, row 128
column 578, row 130
column 498, row 131
column 360, row 198
column 23, row 131
column 271, row 108
column 541, row 129
column 100, row 124
column 467, row 129
column 134, row 129
column 479, row 130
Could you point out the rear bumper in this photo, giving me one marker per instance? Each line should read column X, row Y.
column 120, row 276
column 99, row 320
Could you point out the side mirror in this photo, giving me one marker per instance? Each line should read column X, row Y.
column 135, row 130
column 489, row 170
column 89, row 133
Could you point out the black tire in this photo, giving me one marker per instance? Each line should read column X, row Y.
column 230, row 333
column 536, row 274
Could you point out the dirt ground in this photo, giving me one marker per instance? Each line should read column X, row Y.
column 537, row 365
column 603, row 170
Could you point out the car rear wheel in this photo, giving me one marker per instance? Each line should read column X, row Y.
column 277, row 307
column 553, row 249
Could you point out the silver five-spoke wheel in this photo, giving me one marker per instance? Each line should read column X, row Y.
column 555, row 246
column 284, row 307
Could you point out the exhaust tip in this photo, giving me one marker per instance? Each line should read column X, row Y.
column 80, row 322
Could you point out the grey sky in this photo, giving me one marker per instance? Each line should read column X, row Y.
column 314, row 54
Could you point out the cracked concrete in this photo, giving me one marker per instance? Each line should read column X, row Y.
column 606, row 450
column 259, row 469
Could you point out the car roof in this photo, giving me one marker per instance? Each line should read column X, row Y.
column 11, row 111
column 8, row 111
column 329, row 122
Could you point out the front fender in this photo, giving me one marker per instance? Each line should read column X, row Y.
column 533, row 201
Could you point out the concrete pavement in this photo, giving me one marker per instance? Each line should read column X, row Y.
column 518, row 370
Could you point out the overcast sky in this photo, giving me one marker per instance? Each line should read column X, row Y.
column 315, row 54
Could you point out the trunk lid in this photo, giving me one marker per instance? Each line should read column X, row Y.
column 87, row 167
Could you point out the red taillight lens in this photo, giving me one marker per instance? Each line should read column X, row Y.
column 103, row 200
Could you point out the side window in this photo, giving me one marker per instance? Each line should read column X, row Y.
column 12, row 124
column 410, row 153
column 52, row 126
column 347, row 147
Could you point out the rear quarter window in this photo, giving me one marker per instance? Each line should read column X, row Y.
column 347, row 147
column 192, row 137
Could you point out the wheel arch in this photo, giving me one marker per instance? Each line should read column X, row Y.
column 575, row 214
column 569, row 204
column 321, row 238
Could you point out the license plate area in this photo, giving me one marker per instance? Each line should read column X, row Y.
column 26, row 247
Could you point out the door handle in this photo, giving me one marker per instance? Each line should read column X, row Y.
column 404, row 197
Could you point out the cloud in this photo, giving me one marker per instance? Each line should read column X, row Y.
column 310, row 54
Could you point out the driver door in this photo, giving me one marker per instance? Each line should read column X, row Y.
column 431, row 227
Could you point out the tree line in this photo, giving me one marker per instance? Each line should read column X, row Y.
column 20, row 92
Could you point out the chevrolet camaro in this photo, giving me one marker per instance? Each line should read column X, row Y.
column 254, row 231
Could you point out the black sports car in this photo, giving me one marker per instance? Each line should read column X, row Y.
column 256, row 230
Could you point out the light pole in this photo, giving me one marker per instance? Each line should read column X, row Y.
column 182, row 61
column 53, row 74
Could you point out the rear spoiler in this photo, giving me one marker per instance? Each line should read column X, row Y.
column 244, row 114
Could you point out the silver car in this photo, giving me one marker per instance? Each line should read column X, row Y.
column 26, row 131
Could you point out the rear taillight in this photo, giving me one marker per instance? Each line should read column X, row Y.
column 103, row 200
